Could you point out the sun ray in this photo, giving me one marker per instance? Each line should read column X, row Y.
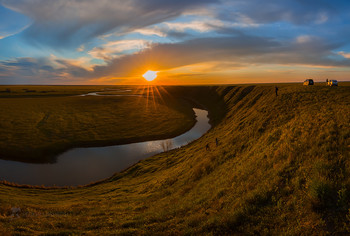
column 164, row 90
column 159, row 94
column 153, row 97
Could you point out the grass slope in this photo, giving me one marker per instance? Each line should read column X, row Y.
column 282, row 167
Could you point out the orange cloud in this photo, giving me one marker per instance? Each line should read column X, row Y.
column 344, row 54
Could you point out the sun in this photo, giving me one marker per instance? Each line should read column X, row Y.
column 150, row 75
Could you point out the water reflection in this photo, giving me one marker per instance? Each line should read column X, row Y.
column 80, row 166
column 111, row 95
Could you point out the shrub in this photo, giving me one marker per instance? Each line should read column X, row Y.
column 323, row 194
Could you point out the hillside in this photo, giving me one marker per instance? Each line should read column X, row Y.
column 282, row 166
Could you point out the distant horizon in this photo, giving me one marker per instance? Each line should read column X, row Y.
column 149, row 84
column 185, row 42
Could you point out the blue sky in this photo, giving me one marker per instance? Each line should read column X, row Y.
column 188, row 42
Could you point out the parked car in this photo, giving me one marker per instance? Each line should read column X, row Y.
column 308, row 82
column 332, row 82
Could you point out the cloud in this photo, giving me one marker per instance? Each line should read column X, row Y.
column 304, row 39
column 151, row 31
column 296, row 12
column 112, row 49
column 61, row 23
column 200, row 26
column 243, row 49
column 40, row 70
column 11, row 22
column 322, row 18
column 181, row 29
column 344, row 54
column 223, row 53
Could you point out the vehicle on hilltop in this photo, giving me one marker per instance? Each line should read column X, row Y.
column 332, row 82
column 308, row 82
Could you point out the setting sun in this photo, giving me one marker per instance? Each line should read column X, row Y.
column 150, row 75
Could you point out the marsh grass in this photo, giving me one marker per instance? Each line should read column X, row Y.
column 282, row 167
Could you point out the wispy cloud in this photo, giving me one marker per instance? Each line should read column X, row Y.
column 200, row 26
column 40, row 70
column 305, row 39
column 113, row 49
column 344, row 54
column 296, row 12
column 62, row 23
column 220, row 54
column 244, row 49
column 101, row 40
column 151, row 31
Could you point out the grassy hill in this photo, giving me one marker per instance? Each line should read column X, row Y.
column 281, row 167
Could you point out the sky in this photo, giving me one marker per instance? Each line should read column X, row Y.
column 185, row 41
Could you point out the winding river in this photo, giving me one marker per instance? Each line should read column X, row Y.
column 80, row 166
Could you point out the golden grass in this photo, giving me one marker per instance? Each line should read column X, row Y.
column 35, row 128
column 282, row 167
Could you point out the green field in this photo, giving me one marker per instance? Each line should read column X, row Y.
column 281, row 167
column 36, row 126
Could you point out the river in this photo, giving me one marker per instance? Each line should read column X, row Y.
column 81, row 166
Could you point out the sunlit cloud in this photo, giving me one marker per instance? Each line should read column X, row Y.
column 240, row 49
column 200, row 26
column 197, row 41
column 8, row 34
column 113, row 49
column 344, row 54
column 304, row 39
column 151, row 31
column 63, row 23
column 81, row 48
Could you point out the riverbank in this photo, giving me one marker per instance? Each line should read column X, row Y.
column 82, row 166
column 36, row 129
column 281, row 167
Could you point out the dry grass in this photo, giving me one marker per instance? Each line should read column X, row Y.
column 282, row 167
column 34, row 129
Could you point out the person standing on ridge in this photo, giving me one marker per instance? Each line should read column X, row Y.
column 276, row 90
